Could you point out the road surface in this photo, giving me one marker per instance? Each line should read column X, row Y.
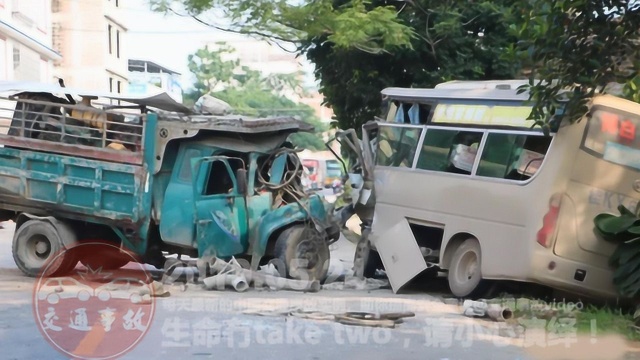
column 193, row 323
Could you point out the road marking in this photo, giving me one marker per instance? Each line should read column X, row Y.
column 91, row 341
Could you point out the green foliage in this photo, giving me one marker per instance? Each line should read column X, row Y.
column 360, row 47
column 623, row 230
column 455, row 40
column 575, row 49
column 210, row 69
column 354, row 24
column 252, row 93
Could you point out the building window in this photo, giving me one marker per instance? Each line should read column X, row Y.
column 117, row 3
column 118, row 43
column 119, row 86
column 109, row 28
column 16, row 57
column 110, row 84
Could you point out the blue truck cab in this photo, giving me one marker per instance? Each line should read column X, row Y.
column 153, row 178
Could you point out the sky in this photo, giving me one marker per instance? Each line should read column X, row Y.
column 168, row 39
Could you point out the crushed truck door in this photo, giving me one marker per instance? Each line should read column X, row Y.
column 219, row 206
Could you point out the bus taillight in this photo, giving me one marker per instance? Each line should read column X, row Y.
column 549, row 221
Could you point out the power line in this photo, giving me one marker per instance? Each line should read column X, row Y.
column 159, row 32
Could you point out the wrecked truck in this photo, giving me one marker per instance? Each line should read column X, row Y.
column 155, row 179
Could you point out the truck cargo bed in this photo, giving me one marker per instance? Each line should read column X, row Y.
column 73, row 187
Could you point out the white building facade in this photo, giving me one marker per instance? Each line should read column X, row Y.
column 26, row 50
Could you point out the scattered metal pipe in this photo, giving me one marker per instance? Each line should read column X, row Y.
column 495, row 312
column 220, row 281
column 259, row 279
column 499, row 313
column 474, row 308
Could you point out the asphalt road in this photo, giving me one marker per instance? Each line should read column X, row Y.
column 193, row 323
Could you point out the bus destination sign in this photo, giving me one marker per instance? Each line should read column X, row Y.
column 515, row 116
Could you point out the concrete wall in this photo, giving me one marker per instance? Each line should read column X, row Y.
column 91, row 38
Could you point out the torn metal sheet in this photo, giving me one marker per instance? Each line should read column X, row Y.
column 400, row 255
column 160, row 100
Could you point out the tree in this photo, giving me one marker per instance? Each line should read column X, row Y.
column 360, row 47
column 455, row 40
column 251, row 93
column 210, row 69
column 576, row 48
column 352, row 24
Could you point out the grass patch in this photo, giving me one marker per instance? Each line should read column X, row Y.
column 589, row 318
column 606, row 321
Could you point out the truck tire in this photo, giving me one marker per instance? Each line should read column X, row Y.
column 304, row 252
column 38, row 250
column 465, row 276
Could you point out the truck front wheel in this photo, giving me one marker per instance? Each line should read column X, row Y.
column 304, row 252
column 38, row 250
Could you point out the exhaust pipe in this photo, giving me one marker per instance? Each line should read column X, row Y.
column 481, row 309
column 499, row 313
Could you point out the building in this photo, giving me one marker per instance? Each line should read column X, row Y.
column 269, row 59
column 146, row 76
column 90, row 36
column 26, row 51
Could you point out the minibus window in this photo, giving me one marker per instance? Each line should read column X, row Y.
column 397, row 146
column 449, row 150
column 512, row 156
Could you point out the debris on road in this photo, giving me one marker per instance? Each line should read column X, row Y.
column 386, row 320
column 233, row 274
column 158, row 290
column 354, row 283
column 481, row 309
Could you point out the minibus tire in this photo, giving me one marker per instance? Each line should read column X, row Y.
column 38, row 246
column 296, row 239
column 458, row 267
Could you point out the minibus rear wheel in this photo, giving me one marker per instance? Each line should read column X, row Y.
column 465, row 277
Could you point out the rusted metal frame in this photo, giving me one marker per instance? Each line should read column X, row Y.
column 108, row 218
column 65, row 126
column 54, row 178
column 84, row 151
column 97, row 193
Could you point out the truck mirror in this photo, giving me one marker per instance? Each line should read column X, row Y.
column 241, row 177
